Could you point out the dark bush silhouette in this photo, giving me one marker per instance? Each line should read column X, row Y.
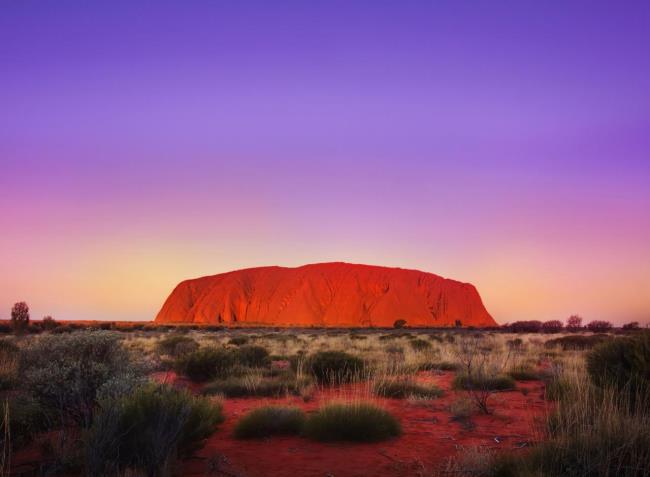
column 20, row 317
column 574, row 323
column 552, row 326
column 598, row 326
column 633, row 325
column 399, row 324
column 48, row 323
column 577, row 342
column 532, row 326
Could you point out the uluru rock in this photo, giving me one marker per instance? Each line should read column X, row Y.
column 325, row 295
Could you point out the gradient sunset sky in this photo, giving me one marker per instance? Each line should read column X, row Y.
column 506, row 144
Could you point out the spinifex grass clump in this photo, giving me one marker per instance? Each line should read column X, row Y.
column 484, row 382
column 252, row 356
column 523, row 373
column 594, row 432
column 253, row 384
column 333, row 367
column 357, row 422
column 405, row 388
column 623, row 364
column 420, row 344
column 144, row 431
column 205, row 364
column 270, row 420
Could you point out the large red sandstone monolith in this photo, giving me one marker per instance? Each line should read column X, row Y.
column 325, row 294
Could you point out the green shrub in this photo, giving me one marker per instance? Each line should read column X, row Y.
column 357, row 422
column 484, row 382
column 252, row 356
column 420, row 345
column 404, row 388
column 205, row 364
column 176, row 345
column 624, row 364
column 67, row 374
column 331, row 367
column 147, row 429
column 269, row 421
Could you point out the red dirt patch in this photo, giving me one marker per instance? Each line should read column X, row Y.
column 430, row 436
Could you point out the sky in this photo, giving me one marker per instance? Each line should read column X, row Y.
column 506, row 144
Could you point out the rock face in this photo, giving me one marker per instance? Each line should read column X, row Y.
column 327, row 295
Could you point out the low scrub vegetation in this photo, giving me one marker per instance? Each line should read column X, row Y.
column 500, row 382
column 333, row 367
column 146, row 430
column 269, row 421
column 357, row 422
column 405, row 388
column 623, row 364
column 205, row 364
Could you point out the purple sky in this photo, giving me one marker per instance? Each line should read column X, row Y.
column 505, row 144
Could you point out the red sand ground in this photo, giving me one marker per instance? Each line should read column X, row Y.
column 430, row 437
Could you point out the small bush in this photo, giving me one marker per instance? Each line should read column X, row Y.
column 461, row 408
column 269, row 421
column 20, row 317
column 205, row 364
column 332, row 367
column 252, row 356
column 515, row 344
column 357, row 422
column 576, row 342
column 145, row 430
column 624, row 364
column 532, row 326
column 420, row 344
column 523, row 373
column 48, row 323
column 487, row 382
column 399, row 324
column 632, row 326
column 553, row 326
column 598, row 326
column 238, row 340
column 176, row 345
column 404, row 388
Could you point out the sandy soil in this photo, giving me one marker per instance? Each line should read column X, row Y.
column 430, row 437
